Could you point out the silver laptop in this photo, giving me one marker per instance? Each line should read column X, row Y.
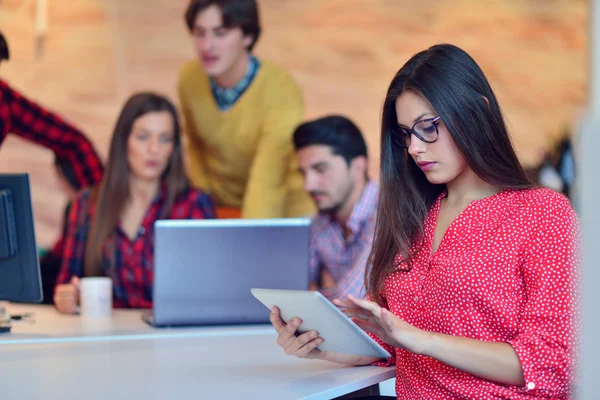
column 204, row 269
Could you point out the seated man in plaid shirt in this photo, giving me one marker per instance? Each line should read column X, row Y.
column 24, row 118
column 332, row 157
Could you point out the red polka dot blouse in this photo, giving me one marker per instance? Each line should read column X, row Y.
column 505, row 271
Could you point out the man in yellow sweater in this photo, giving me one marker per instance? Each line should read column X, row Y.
column 240, row 113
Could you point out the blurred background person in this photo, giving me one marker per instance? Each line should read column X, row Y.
column 111, row 226
column 557, row 171
column 24, row 118
column 332, row 158
column 240, row 113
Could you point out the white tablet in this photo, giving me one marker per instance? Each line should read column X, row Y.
column 339, row 333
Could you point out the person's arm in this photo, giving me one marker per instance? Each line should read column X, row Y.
column 74, row 240
column 65, row 222
column 266, row 190
column 193, row 147
column 494, row 361
column 540, row 359
column 66, row 293
column 32, row 122
column 548, row 329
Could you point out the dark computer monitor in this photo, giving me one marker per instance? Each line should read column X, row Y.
column 19, row 265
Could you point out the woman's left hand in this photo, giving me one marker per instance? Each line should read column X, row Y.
column 386, row 326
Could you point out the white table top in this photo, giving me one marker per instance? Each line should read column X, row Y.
column 210, row 366
column 64, row 356
column 52, row 327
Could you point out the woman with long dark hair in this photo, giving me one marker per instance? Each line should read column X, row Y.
column 472, row 274
column 111, row 226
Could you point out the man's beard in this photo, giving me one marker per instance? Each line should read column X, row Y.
column 334, row 209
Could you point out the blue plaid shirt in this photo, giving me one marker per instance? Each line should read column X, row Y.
column 344, row 258
column 226, row 97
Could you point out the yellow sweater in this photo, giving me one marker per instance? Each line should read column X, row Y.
column 244, row 156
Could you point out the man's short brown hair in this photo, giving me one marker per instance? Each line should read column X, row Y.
column 241, row 14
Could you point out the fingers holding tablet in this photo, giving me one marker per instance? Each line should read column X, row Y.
column 275, row 318
column 317, row 328
column 302, row 345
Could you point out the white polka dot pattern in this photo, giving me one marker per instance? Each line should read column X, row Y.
column 505, row 271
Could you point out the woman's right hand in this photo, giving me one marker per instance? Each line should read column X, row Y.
column 301, row 346
column 66, row 297
column 305, row 345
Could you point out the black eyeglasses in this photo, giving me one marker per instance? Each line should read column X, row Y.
column 426, row 130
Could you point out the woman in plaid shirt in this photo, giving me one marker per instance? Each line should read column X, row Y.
column 110, row 227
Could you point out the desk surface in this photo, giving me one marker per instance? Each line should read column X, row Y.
column 49, row 326
column 218, row 366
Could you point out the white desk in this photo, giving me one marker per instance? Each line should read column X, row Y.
column 52, row 327
column 68, row 357
column 210, row 367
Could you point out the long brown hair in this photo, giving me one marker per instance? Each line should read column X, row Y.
column 457, row 89
column 111, row 195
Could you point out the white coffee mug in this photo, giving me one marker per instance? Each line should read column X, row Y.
column 95, row 297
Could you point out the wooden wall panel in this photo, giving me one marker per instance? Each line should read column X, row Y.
column 342, row 52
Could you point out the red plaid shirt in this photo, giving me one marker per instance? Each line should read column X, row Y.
column 28, row 120
column 133, row 266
